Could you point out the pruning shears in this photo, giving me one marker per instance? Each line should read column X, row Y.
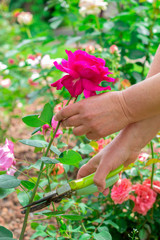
column 79, row 187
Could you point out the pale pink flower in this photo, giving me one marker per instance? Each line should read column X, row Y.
column 156, row 185
column 143, row 157
column 33, row 77
column 90, row 49
column 84, row 74
column 144, row 199
column 6, row 156
column 25, row 18
column 120, row 191
column 11, row 171
column 113, row 49
column 10, row 145
column 58, row 169
column 92, row 7
column 5, row 83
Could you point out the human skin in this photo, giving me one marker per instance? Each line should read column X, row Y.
column 127, row 145
column 95, row 116
column 124, row 149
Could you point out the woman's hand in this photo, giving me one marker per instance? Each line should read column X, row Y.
column 96, row 117
column 124, row 149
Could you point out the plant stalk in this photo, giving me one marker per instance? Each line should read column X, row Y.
column 38, row 180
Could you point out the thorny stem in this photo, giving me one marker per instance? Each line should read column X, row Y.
column 38, row 180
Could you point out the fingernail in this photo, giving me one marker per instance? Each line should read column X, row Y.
column 100, row 189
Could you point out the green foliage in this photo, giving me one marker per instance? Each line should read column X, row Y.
column 134, row 27
column 70, row 157
column 7, row 181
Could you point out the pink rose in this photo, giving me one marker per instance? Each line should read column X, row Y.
column 58, row 169
column 113, row 49
column 84, row 74
column 144, row 200
column 46, row 128
column 143, row 157
column 10, row 145
column 120, row 191
column 156, row 185
column 11, row 171
column 6, row 157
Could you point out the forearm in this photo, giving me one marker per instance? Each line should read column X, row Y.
column 138, row 134
column 142, row 100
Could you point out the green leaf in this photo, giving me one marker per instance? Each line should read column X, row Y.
column 73, row 40
column 48, row 160
column 39, row 144
column 109, row 222
column 85, row 236
column 36, row 130
column 23, row 198
column 104, row 235
column 56, row 21
column 135, row 54
column 85, row 148
column 33, row 120
column 7, row 181
column 55, row 150
column 54, row 213
column 47, row 114
column 151, row 161
column 70, row 157
column 143, row 234
column 5, row 192
column 4, row 232
column 73, row 217
column 34, row 143
column 27, row 184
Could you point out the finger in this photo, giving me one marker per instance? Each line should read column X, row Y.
column 79, row 131
column 106, row 192
column 73, row 121
column 89, row 167
column 67, row 112
column 91, row 136
column 101, row 173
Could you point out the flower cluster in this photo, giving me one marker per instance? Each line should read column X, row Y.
column 7, row 161
column 92, row 7
column 84, row 73
column 144, row 199
column 141, row 194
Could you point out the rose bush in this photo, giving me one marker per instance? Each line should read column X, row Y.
column 32, row 49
